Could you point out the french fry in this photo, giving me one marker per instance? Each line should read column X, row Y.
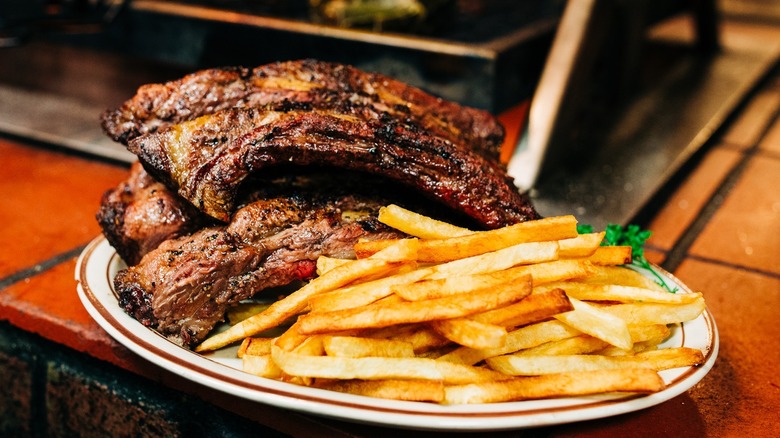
column 581, row 344
column 560, row 228
column 261, row 365
column 445, row 287
column 558, row 270
column 470, row 333
column 520, row 254
column 367, row 248
column 626, row 294
column 295, row 303
column 621, row 276
column 394, row 389
column 522, row 338
column 351, row 346
column 531, row 365
column 610, row 256
column 422, row 339
column 418, row 225
column 556, row 385
column 364, row 293
column 445, row 250
column 533, row 308
column 378, row 315
column 325, row 264
column 583, row 245
column 654, row 313
column 597, row 323
column 373, row 368
column 255, row 346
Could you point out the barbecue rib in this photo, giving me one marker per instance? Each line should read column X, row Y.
column 184, row 287
column 208, row 158
column 315, row 84
column 140, row 213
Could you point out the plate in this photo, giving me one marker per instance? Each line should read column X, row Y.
column 99, row 263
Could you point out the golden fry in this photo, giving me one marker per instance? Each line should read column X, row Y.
column 255, row 346
column 373, row 368
column 415, row 224
column 583, row 245
column 654, row 313
column 352, row 346
column 556, row 385
column 364, row 293
column 393, row 389
column 610, row 256
column 524, row 337
column 520, row 254
column 470, row 333
column 533, row 308
column 379, row 315
column 530, row 365
column 261, row 365
column 597, row 323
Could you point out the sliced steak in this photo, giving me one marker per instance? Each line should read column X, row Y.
column 207, row 159
column 316, row 84
column 184, row 287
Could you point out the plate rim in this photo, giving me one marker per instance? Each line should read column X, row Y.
column 205, row 370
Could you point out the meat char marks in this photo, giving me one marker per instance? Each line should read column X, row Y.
column 184, row 287
column 208, row 158
column 312, row 83
column 140, row 213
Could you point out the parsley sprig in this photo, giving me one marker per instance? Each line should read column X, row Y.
column 633, row 236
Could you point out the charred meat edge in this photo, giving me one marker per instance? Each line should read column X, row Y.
column 313, row 83
column 207, row 159
column 140, row 213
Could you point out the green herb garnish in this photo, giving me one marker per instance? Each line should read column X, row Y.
column 633, row 236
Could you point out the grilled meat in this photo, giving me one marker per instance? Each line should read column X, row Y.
column 311, row 83
column 208, row 158
column 140, row 213
column 184, row 287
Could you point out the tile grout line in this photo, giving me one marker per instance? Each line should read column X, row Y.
column 30, row 272
column 732, row 265
column 680, row 249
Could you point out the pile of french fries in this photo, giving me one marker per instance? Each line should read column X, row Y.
column 533, row 310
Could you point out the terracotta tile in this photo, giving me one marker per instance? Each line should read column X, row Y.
column 771, row 141
column 740, row 392
column 686, row 203
column 48, row 304
column 49, row 203
column 748, row 128
column 746, row 229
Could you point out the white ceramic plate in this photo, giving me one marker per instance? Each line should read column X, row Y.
column 221, row 371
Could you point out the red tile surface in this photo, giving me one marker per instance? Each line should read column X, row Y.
column 751, row 123
column 48, row 304
column 741, row 395
column 49, row 203
column 771, row 141
column 686, row 203
column 746, row 229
